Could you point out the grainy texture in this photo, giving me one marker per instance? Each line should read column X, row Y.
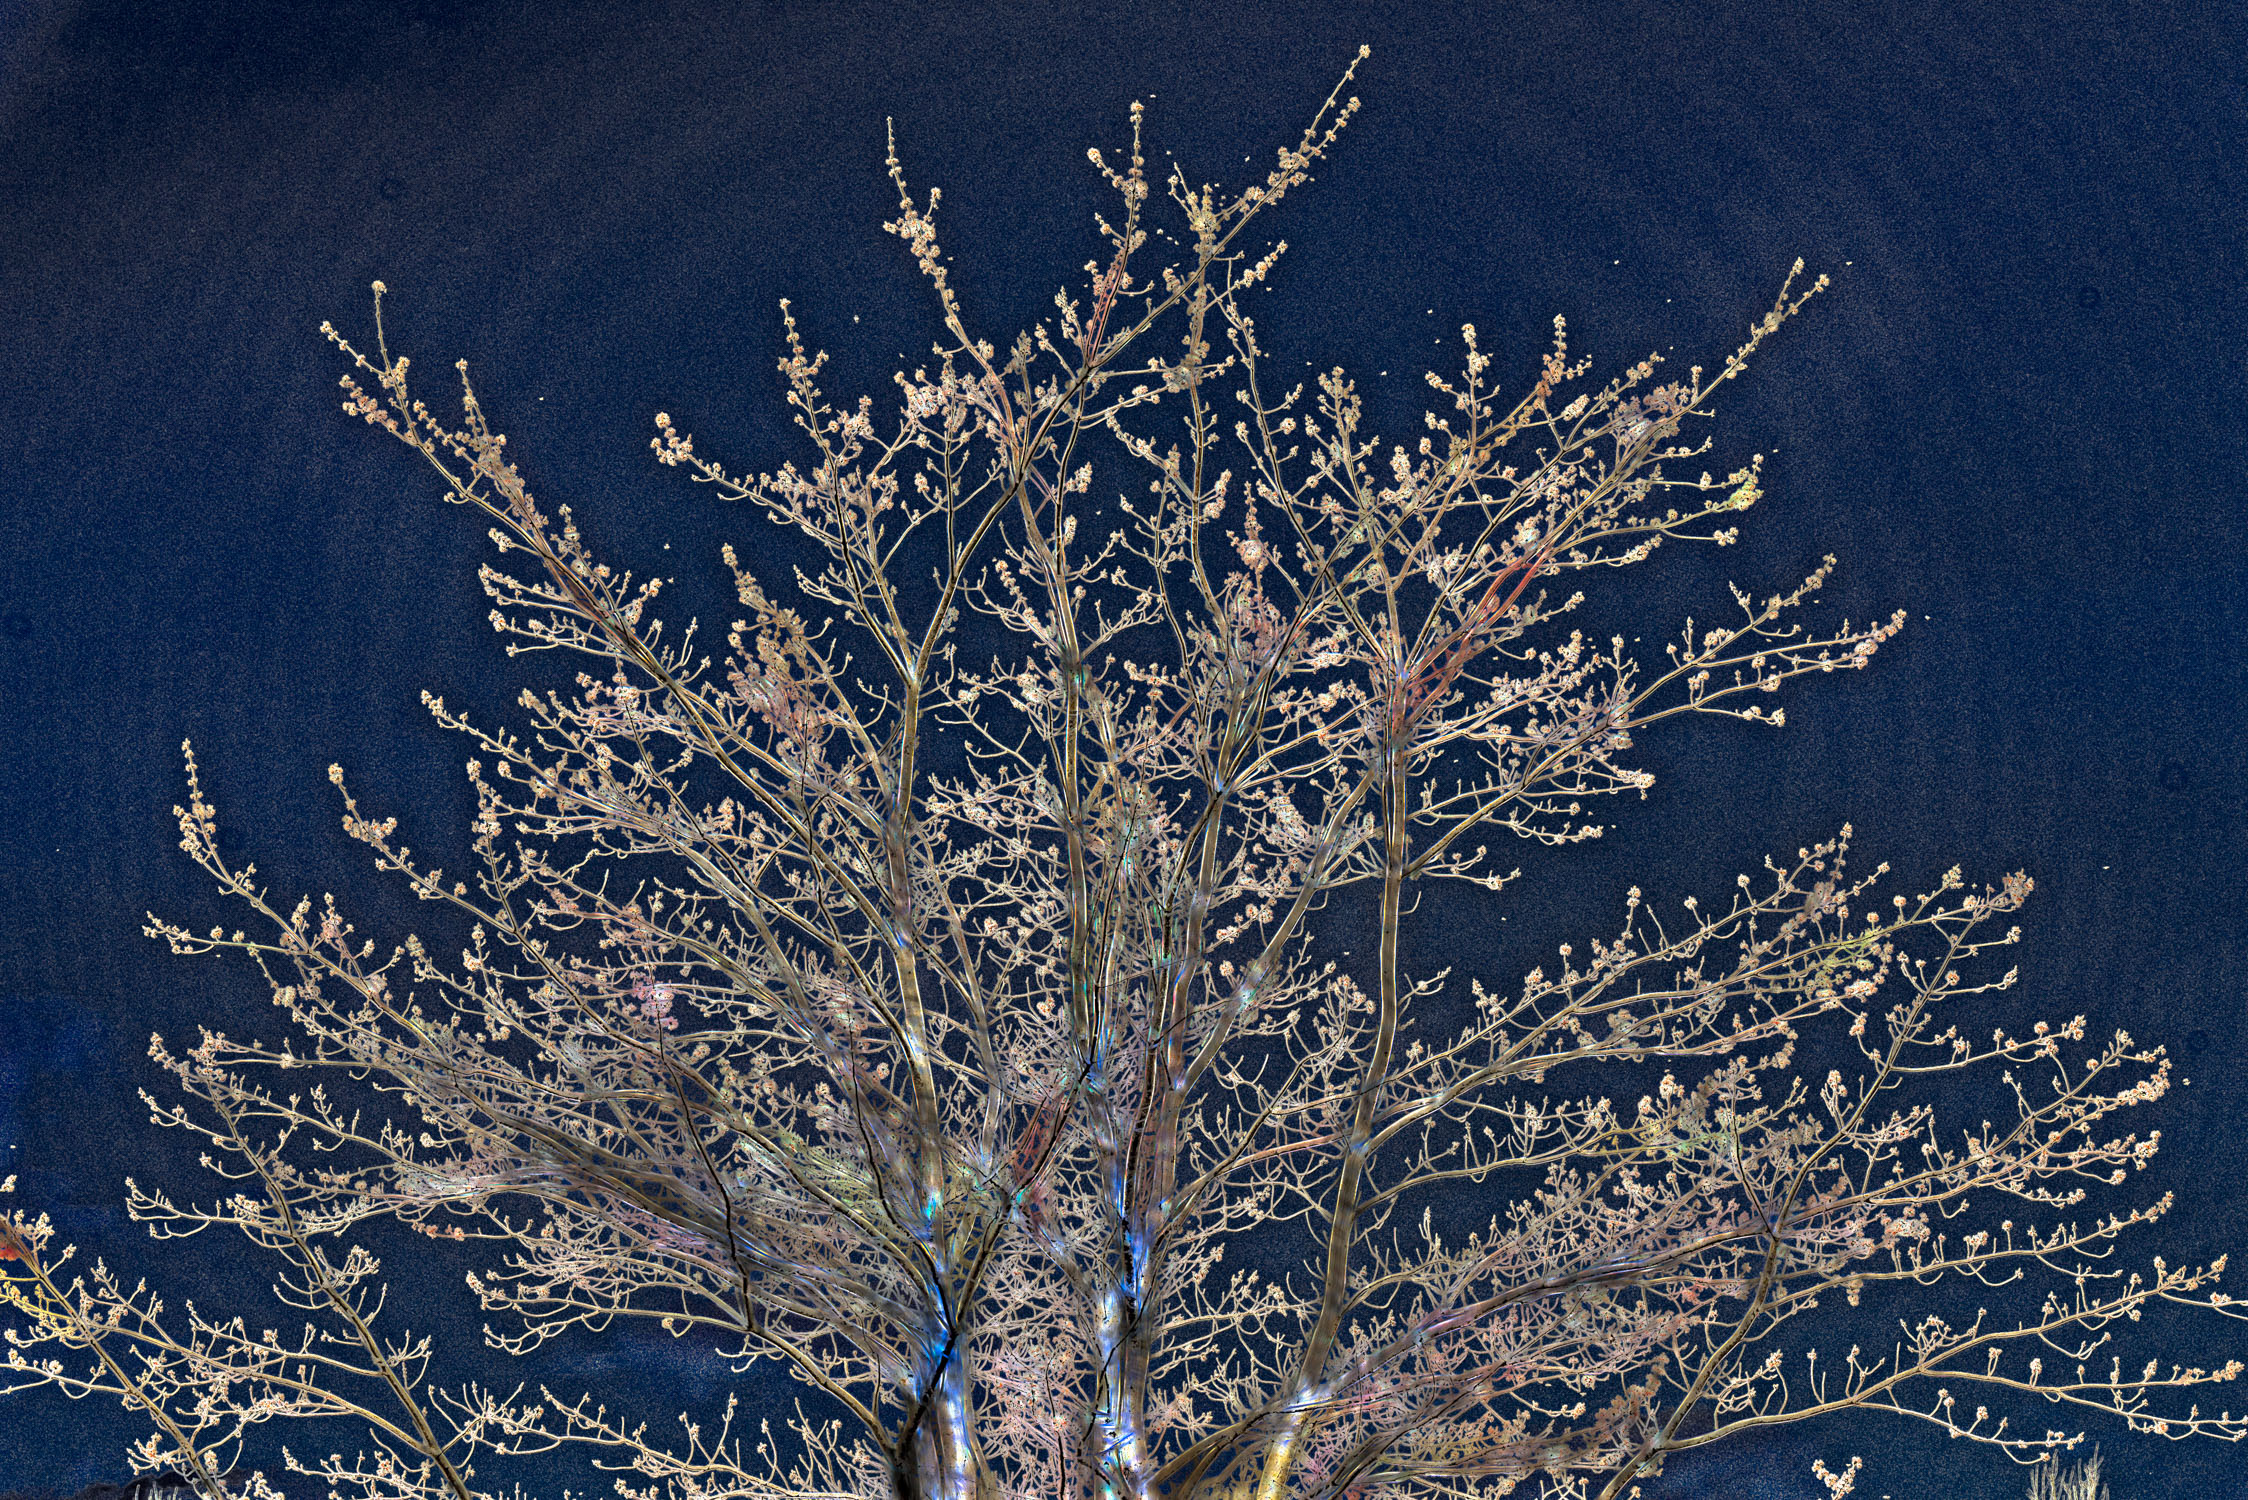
column 949, row 1052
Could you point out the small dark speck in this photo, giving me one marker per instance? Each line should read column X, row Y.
column 16, row 625
column 2088, row 298
column 391, row 188
column 2173, row 776
column 2197, row 1040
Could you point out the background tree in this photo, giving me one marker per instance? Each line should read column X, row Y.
column 2081, row 1481
column 984, row 992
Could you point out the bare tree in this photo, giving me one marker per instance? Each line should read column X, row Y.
column 980, row 994
column 2049, row 1481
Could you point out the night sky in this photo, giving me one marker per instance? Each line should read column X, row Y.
column 2018, row 414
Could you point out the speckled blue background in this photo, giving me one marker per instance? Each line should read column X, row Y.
column 2018, row 413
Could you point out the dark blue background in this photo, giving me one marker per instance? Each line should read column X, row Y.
column 2018, row 413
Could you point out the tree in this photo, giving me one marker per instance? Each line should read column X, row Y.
column 992, row 1004
column 2049, row 1481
